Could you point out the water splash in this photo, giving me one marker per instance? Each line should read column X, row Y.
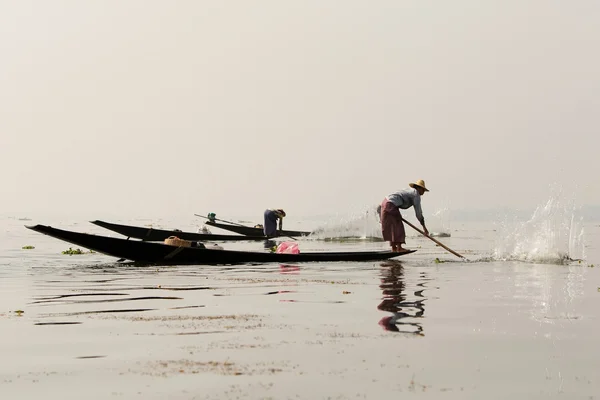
column 362, row 225
column 553, row 234
column 438, row 223
column 365, row 225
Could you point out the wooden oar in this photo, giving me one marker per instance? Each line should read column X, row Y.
column 429, row 237
column 233, row 223
column 222, row 220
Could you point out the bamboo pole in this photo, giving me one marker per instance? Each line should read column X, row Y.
column 429, row 237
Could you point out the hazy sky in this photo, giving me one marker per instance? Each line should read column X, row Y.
column 313, row 106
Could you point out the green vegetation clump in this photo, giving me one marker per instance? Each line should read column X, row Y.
column 71, row 251
column 438, row 261
column 28, row 247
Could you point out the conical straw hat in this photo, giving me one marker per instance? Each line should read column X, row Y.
column 420, row 183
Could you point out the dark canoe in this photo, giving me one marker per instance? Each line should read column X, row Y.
column 159, row 235
column 251, row 231
column 160, row 253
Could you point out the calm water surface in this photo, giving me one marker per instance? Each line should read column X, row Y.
column 487, row 328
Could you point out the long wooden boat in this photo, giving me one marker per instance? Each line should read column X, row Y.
column 159, row 253
column 251, row 231
column 158, row 235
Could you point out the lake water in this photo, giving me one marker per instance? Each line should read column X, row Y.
column 517, row 320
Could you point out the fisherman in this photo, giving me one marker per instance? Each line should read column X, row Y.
column 392, row 226
column 270, row 225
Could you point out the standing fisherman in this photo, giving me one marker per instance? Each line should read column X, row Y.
column 392, row 226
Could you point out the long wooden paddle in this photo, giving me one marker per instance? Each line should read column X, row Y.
column 222, row 220
column 429, row 237
column 234, row 223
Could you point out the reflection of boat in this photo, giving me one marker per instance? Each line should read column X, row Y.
column 289, row 269
column 154, row 252
column 395, row 301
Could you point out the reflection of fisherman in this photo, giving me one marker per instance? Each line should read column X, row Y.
column 270, row 224
column 392, row 286
column 394, row 301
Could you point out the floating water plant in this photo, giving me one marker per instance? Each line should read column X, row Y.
column 19, row 312
column 71, row 251
column 438, row 261
column 28, row 247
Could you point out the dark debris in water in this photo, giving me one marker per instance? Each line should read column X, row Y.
column 184, row 307
column 199, row 323
column 89, row 357
column 59, row 323
column 240, row 317
column 173, row 367
column 251, row 280
column 280, row 292
column 191, row 333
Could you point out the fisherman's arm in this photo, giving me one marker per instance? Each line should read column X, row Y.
column 419, row 214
